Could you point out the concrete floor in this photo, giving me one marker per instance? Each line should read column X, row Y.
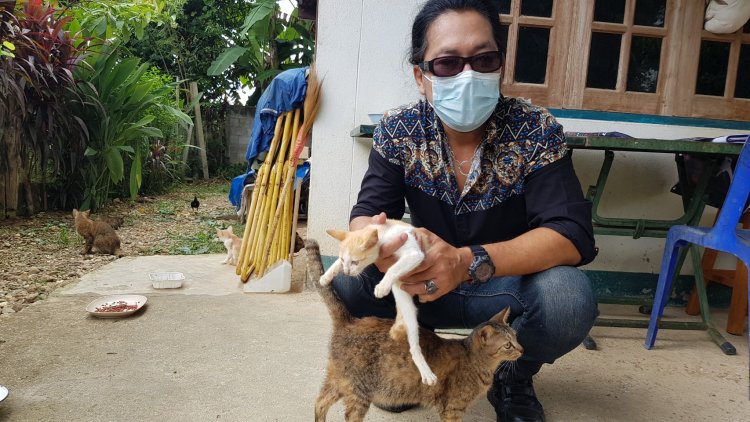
column 210, row 352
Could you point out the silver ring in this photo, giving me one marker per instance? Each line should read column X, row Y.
column 430, row 287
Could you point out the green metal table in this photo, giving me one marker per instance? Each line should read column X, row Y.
column 693, row 201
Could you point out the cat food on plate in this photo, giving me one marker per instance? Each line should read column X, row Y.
column 116, row 306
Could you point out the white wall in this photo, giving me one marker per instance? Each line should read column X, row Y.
column 361, row 52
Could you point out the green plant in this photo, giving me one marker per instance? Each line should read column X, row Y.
column 196, row 244
column 64, row 238
column 186, row 49
column 119, row 19
column 267, row 44
column 160, row 171
column 6, row 49
column 38, row 134
column 120, row 129
column 166, row 208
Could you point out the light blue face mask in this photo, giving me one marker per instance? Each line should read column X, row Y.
column 465, row 101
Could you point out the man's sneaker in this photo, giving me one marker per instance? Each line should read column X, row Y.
column 514, row 400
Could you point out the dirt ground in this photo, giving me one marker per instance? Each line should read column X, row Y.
column 43, row 253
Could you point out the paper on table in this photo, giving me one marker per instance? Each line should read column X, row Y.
column 731, row 138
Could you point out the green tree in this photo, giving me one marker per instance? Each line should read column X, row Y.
column 186, row 49
column 267, row 43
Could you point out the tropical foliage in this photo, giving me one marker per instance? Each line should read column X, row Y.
column 92, row 93
column 266, row 44
column 37, row 132
column 118, row 19
column 120, row 99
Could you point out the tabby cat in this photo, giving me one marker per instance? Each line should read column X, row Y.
column 369, row 360
column 97, row 234
column 359, row 249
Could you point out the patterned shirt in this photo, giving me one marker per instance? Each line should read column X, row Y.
column 521, row 178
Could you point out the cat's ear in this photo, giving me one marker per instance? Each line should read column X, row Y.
column 339, row 235
column 485, row 333
column 502, row 316
column 229, row 229
column 86, row 213
column 372, row 239
column 75, row 213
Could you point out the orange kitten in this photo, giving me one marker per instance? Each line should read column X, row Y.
column 232, row 242
column 360, row 248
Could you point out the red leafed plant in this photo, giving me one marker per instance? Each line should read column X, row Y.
column 36, row 86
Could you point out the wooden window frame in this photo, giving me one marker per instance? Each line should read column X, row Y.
column 571, row 25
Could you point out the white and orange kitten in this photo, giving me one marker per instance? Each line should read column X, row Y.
column 232, row 242
column 359, row 249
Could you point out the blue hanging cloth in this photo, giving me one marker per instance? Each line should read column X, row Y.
column 238, row 183
column 285, row 93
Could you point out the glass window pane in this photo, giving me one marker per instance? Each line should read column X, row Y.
column 643, row 68
column 604, row 60
column 531, row 58
column 712, row 68
column 609, row 11
column 742, row 87
column 503, row 6
column 536, row 8
column 504, row 36
column 650, row 12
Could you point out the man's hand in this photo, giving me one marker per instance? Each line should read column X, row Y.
column 385, row 257
column 446, row 265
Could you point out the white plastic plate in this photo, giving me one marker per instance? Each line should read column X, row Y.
column 131, row 300
column 166, row 280
column 3, row 393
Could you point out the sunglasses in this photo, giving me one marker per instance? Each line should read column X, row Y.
column 453, row 65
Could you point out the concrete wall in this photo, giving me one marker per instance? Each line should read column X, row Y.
column 239, row 124
column 361, row 53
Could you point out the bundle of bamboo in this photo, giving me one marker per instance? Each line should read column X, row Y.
column 269, row 230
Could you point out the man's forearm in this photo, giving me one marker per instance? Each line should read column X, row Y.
column 533, row 251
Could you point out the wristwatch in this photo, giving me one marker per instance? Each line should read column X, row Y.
column 481, row 268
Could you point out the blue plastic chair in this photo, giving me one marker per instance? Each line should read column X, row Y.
column 724, row 236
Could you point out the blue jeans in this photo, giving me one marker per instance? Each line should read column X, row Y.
column 552, row 311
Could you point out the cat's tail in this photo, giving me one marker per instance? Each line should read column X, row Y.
column 339, row 313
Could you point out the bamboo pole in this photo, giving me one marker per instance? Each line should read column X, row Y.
column 259, row 222
column 272, row 217
column 274, row 203
column 253, row 215
column 311, row 106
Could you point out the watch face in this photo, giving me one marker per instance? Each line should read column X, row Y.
column 484, row 272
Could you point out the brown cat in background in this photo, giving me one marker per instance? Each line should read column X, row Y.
column 97, row 234
column 232, row 242
column 366, row 364
column 114, row 222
